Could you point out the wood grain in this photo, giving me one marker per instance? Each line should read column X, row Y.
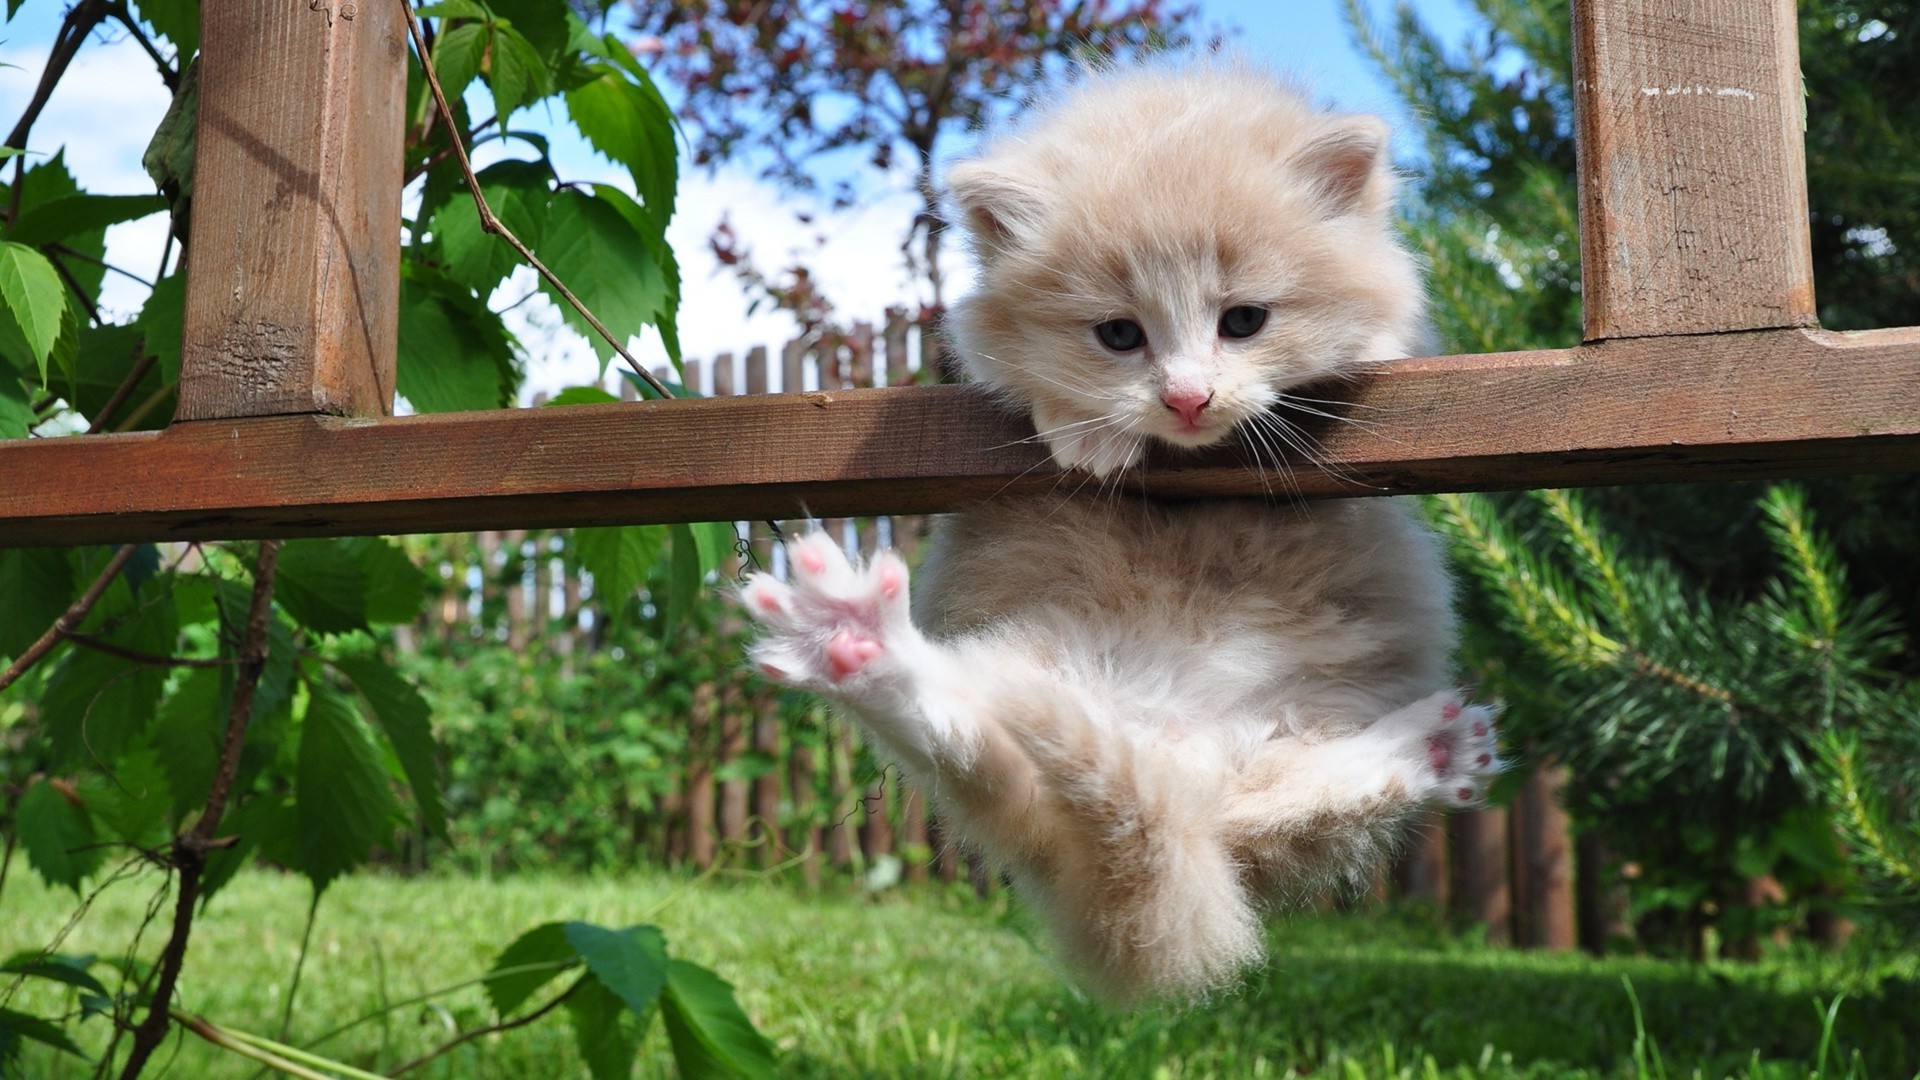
column 293, row 274
column 1716, row 407
column 1692, row 174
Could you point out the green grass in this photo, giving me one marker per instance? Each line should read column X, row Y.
column 932, row 984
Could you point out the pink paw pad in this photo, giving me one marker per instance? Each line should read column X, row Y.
column 1439, row 753
column 891, row 581
column 810, row 561
column 1450, row 711
column 848, row 653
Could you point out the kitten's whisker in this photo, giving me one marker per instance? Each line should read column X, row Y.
column 1056, row 430
column 1280, row 463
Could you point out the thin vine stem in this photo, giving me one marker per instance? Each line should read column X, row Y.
column 492, row 224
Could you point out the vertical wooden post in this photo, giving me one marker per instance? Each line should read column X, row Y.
column 802, row 782
column 1481, row 889
column 894, row 338
column 698, row 777
column 293, row 276
column 1422, row 868
column 1693, row 190
column 1545, row 861
column 793, row 359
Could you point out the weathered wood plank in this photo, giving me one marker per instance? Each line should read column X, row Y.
column 1692, row 176
column 293, row 273
column 1772, row 403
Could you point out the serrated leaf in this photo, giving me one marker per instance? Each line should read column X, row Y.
column 75, row 215
column 176, row 20
column 69, row 970
column 160, row 321
column 543, row 23
column 133, row 803
column 607, row 1034
column 142, row 567
column 95, row 705
column 518, row 193
column 168, row 159
column 515, row 71
column 583, row 395
column 266, row 823
column 186, row 738
column 632, row 962
column 36, row 585
column 396, row 589
column 233, row 599
column 619, row 558
column 711, row 1034
column 32, row 298
column 533, row 960
column 591, row 247
column 57, row 836
column 342, row 805
column 455, row 354
column 455, row 9
column 408, row 721
column 665, row 315
column 632, row 125
column 457, row 54
column 323, row 586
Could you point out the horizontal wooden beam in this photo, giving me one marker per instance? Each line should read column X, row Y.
column 1713, row 407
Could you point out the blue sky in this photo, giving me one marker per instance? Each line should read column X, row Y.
column 107, row 107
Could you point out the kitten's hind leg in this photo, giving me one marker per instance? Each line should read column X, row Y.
column 1305, row 814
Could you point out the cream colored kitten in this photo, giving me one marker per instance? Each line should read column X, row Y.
column 1157, row 716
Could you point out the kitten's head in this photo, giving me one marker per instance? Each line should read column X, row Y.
column 1166, row 251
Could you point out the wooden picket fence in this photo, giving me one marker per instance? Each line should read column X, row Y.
column 1511, row 868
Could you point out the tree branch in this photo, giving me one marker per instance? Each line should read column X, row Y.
column 126, row 19
column 122, row 392
column 138, row 657
column 490, row 1029
column 80, row 21
column 190, row 848
column 492, row 224
column 70, row 619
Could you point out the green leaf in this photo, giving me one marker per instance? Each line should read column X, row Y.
column 716, row 541
column 711, row 1035
column 169, row 156
column 323, row 586
column 604, row 1029
column 632, row 962
column 543, row 23
column 133, row 803
column 683, row 578
column 57, row 835
column 70, row 970
column 665, row 315
column 408, row 721
column 515, row 71
column 32, row 299
column 15, row 1026
column 76, row 215
column 583, row 395
column 342, row 804
column 590, row 245
column 454, row 353
column 186, row 737
column 160, row 322
column 518, row 193
column 266, row 823
column 177, row 20
column 16, row 404
column 396, row 589
column 36, row 585
column 632, row 125
column 619, row 558
column 104, row 358
column 531, row 962
column 95, row 705
column 457, row 55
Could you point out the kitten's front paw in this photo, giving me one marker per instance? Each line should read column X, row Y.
column 1459, row 745
column 835, row 626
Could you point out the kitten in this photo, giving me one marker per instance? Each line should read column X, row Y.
column 1159, row 716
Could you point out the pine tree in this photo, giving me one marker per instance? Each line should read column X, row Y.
column 1727, row 699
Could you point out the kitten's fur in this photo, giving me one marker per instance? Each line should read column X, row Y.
column 1158, row 715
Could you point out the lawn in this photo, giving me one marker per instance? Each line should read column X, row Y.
column 934, row 984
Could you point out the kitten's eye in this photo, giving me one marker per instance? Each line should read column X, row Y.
column 1120, row 335
column 1243, row 321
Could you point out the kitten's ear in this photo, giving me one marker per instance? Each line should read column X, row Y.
column 1348, row 163
column 996, row 206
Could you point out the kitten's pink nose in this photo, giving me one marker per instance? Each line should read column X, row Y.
column 1188, row 403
